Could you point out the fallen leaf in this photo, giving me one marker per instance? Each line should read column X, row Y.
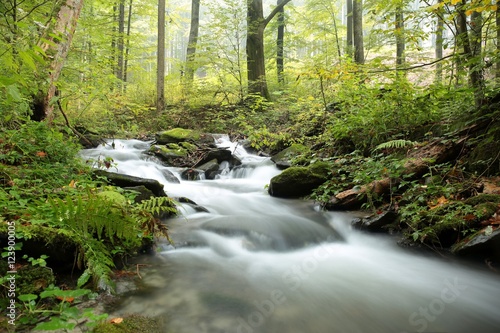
column 116, row 320
column 439, row 202
column 72, row 183
column 41, row 154
column 65, row 299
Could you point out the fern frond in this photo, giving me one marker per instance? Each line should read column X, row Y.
column 395, row 144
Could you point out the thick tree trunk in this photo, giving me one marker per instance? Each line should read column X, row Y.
column 256, row 67
column 193, row 40
column 58, row 49
column 357, row 29
column 438, row 151
column 160, row 71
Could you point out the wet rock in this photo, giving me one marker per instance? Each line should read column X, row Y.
column 219, row 154
column 192, row 174
column 143, row 193
column 121, row 180
column 193, row 204
column 170, row 177
column 211, row 169
column 299, row 181
column 484, row 245
column 283, row 159
column 375, row 223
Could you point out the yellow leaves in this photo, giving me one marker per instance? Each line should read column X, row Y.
column 72, row 184
column 116, row 321
column 454, row 2
column 438, row 202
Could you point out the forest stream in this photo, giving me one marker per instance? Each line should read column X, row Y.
column 255, row 263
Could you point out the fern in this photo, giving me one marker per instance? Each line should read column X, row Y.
column 395, row 144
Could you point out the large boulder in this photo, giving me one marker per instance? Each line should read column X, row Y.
column 283, row 159
column 299, row 181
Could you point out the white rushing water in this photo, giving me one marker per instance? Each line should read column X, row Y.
column 255, row 263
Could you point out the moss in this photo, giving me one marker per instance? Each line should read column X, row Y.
column 170, row 150
column 177, row 135
column 483, row 198
column 320, row 169
column 132, row 324
column 188, row 146
column 33, row 279
column 114, row 197
column 290, row 152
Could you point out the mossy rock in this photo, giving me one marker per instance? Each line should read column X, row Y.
column 132, row 324
column 34, row 279
column 177, row 135
column 191, row 148
column 113, row 197
column 284, row 158
column 299, row 181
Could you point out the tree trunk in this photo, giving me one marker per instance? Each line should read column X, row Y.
column 280, row 66
column 349, row 40
column 439, row 46
column 357, row 29
column 400, row 38
column 193, row 40
column 497, row 21
column 121, row 33
column 160, row 72
column 58, row 48
column 256, row 68
column 476, row 78
column 127, row 48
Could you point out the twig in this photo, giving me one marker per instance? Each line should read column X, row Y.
column 137, row 269
column 71, row 127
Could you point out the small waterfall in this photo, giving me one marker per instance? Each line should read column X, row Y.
column 258, row 264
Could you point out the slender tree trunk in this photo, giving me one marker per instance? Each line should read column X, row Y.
column 349, row 40
column 256, row 23
column 357, row 29
column 476, row 78
column 193, row 40
column 113, row 40
column 280, row 66
column 120, row 40
column 400, row 38
column 127, row 48
column 497, row 21
column 439, row 46
column 160, row 72
column 67, row 19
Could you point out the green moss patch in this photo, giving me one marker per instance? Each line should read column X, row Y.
column 132, row 324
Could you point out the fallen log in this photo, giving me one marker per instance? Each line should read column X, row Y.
column 417, row 164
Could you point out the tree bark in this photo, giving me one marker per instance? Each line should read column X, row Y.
column 58, row 49
column 127, row 48
column 400, row 37
column 193, row 40
column 476, row 78
column 280, row 66
column 256, row 24
column 120, row 40
column 349, row 40
column 439, row 46
column 497, row 21
column 160, row 72
column 357, row 29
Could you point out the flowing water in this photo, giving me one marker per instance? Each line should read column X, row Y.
column 255, row 263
